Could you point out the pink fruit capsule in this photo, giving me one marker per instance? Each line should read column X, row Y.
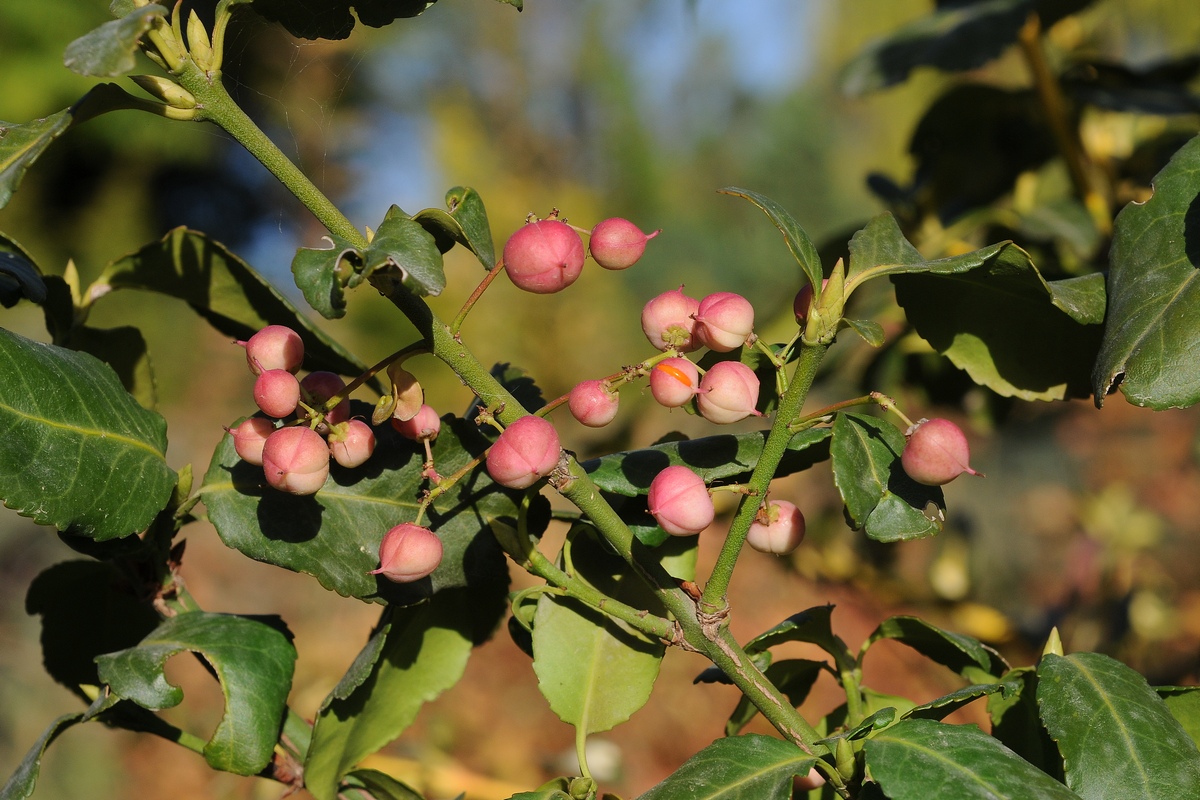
column 667, row 321
column 724, row 321
column 778, row 528
column 408, row 553
column 803, row 302
column 424, row 427
column 679, row 501
column 526, row 451
column 277, row 392
column 250, row 437
column 617, row 243
column 296, row 460
column 351, row 443
column 674, row 382
column 936, row 452
column 728, row 393
column 274, row 347
column 544, row 256
column 593, row 403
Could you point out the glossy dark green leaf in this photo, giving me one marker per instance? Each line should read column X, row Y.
column 966, row 307
column 378, row 786
column 1184, row 704
column 1116, row 735
column 792, row 676
column 963, row 654
column 88, row 608
column 880, row 497
column 919, row 759
column 418, row 653
column 947, row 704
column 957, row 36
column 111, row 49
column 811, row 626
column 749, row 767
column 78, row 451
column 797, row 241
column 595, row 671
column 405, row 246
column 253, row 662
column 224, row 290
column 465, row 222
column 321, row 275
column 20, row 277
column 334, row 535
column 1153, row 326
column 1017, row 724
column 20, row 146
column 124, row 350
column 870, row 330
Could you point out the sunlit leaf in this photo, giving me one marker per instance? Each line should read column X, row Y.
column 110, row 50
column 918, row 759
column 1116, row 735
column 404, row 245
column 252, row 661
column 417, row 653
column 749, row 767
column 78, row 451
column 595, row 671
column 1153, row 327
column 965, row 655
column 465, row 223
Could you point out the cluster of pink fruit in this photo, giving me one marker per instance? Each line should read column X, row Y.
column 294, row 442
column 546, row 256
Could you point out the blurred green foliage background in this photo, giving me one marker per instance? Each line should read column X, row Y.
column 1088, row 519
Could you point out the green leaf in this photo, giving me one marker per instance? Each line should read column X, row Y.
column 110, row 50
column 880, row 497
column 750, row 767
column 1153, row 327
column 870, row 330
column 797, row 241
column 404, row 245
column 124, row 350
column 965, row 655
column 1117, row 737
column 379, row 786
column 224, row 290
column 78, row 451
column 1017, row 725
column 466, row 223
column 550, row 790
column 253, row 662
column 990, row 311
column 20, row 146
column 23, row 781
column 947, row 704
column 418, row 653
column 956, row 37
column 811, row 626
column 334, row 535
column 88, row 608
column 594, row 670
column 20, row 277
column 322, row 274
column 1184, row 704
column 917, row 759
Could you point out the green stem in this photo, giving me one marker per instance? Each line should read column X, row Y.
column 713, row 601
column 214, row 104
